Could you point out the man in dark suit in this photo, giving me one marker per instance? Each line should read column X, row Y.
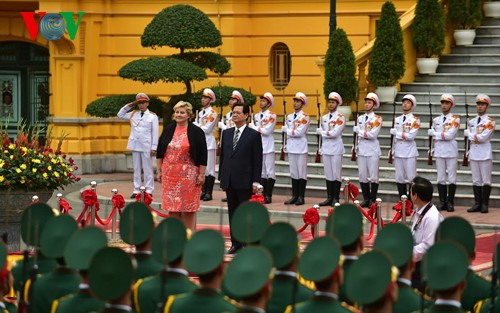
column 240, row 163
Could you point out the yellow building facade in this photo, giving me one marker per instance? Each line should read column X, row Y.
column 255, row 33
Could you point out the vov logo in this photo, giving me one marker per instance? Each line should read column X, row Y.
column 52, row 25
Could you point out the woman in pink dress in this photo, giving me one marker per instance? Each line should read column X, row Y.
column 181, row 162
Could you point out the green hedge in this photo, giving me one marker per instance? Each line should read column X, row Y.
column 110, row 105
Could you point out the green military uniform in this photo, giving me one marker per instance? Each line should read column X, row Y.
column 80, row 250
column 319, row 262
column 45, row 265
column 484, row 306
column 346, row 225
column 10, row 307
column 281, row 240
column 460, row 230
column 4, row 273
column 62, row 280
column 203, row 254
column 169, row 240
column 136, row 228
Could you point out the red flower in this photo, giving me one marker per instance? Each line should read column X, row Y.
column 7, row 164
column 7, row 184
column 76, row 168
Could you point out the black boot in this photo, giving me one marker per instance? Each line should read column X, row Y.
column 302, row 192
column 373, row 192
column 478, row 194
column 336, row 191
column 486, row 198
column 329, row 193
column 203, row 189
column 210, row 180
column 295, row 192
column 442, row 197
column 268, row 197
column 451, row 197
column 365, row 190
column 401, row 190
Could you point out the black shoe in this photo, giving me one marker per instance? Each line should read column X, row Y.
column 485, row 198
column 366, row 204
column 478, row 194
column 233, row 249
column 267, row 200
column 302, row 192
column 443, row 197
column 133, row 196
column 223, row 199
column 295, row 192
column 451, row 197
column 207, row 197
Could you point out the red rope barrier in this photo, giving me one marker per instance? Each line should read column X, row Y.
column 147, row 201
column 310, row 217
column 64, row 206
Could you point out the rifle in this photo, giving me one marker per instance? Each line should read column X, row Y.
column 23, row 306
column 355, row 136
column 465, row 161
column 431, row 140
column 392, row 136
column 283, row 136
column 494, row 276
column 221, row 118
column 318, row 137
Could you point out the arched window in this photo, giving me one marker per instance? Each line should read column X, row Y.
column 280, row 64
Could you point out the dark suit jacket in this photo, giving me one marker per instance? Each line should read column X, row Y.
column 240, row 168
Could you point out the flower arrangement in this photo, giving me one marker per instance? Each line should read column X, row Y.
column 26, row 163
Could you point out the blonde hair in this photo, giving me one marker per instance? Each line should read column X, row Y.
column 185, row 105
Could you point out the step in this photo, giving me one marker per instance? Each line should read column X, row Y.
column 487, row 39
column 488, row 30
column 470, row 58
column 468, row 68
column 472, row 88
column 460, row 78
column 477, row 48
column 490, row 21
column 423, row 98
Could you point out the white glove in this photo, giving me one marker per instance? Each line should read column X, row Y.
column 284, row 129
column 196, row 123
column 393, row 131
column 319, row 131
column 252, row 126
column 466, row 133
column 355, row 129
column 222, row 126
column 431, row 132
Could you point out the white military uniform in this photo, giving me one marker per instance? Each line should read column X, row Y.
column 207, row 120
column 368, row 147
column 405, row 148
column 296, row 144
column 481, row 158
column 332, row 147
column 142, row 140
column 446, row 147
column 265, row 122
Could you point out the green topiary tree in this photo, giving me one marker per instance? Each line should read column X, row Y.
column 429, row 28
column 340, row 67
column 387, row 62
column 464, row 14
column 110, row 105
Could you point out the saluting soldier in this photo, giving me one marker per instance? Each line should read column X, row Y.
column 143, row 141
column 236, row 97
column 405, row 131
column 484, row 306
column 264, row 123
column 204, row 256
column 136, row 228
column 332, row 148
column 368, row 149
column 297, row 124
column 460, row 230
column 346, row 225
column 80, row 250
column 207, row 120
column 444, row 129
column 321, row 263
column 169, row 240
column 6, row 280
column 479, row 134
column 281, row 240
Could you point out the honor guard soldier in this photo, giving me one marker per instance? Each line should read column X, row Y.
column 460, row 230
column 136, row 228
column 485, row 306
column 445, row 128
column 111, row 274
column 228, row 122
column 332, row 148
column 248, row 276
column 296, row 127
column 264, row 123
column 321, row 263
column 62, row 280
column 445, row 266
column 397, row 241
column 346, row 225
column 281, row 240
column 203, row 256
column 207, row 119
column 479, row 134
column 368, row 149
column 80, row 250
column 405, row 131
column 143, row 141
column 169, row 240
column 6, row 280
column 372, row 283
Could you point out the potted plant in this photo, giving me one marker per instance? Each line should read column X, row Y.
column 491, row 8
column 340, row 70
column 428, row 35
column 464, row 16
column 387, row 61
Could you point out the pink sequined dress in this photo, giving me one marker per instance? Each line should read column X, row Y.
column 179, row 173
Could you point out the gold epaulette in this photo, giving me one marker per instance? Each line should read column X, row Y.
column 194, row 281
column 232, row 301
column 416, row 117
column 152, row 112
column 340, row 114
column 55, row 303
column 306, row 283
column 478, row 306
column 350, row 307
column 169, row 302
column 487, row 278
column 135, row 294
column 426, row 296
column 271, row 112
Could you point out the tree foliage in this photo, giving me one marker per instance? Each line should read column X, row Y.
column 464, row 14
column 429, row 28
column 340, row 67
column 207, row 60
column 110, row 105
column 387, row 62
